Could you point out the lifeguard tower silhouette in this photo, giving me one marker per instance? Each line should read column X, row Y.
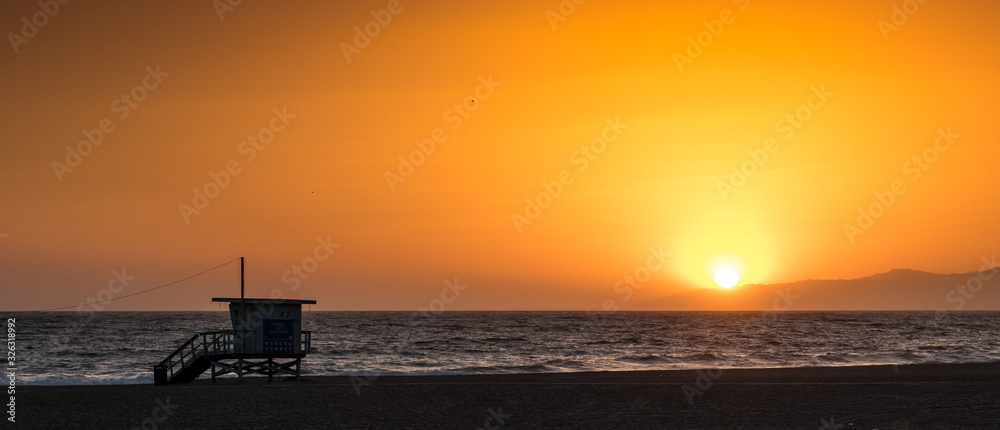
column 267, row 338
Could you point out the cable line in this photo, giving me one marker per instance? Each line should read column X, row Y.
column 144, row 291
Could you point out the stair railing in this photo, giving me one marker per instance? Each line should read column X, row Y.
column 199, row 345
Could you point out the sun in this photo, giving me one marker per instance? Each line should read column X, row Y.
column 725, row 239
column 726, row 277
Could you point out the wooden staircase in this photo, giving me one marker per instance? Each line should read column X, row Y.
column 194, row 357
column 208, row 350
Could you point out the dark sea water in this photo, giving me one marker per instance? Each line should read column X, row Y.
column 72, row 348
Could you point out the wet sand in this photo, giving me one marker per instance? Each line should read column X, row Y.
column 869, row 397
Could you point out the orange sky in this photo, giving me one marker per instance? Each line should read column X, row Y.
column 557, row 84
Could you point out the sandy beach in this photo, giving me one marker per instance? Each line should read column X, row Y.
column 869, row 397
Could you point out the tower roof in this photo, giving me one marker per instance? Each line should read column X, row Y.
column 271, row 301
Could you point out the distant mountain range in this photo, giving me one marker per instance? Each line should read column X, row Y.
column 900, row 289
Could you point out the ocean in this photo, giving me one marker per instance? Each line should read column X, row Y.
column 80, row 348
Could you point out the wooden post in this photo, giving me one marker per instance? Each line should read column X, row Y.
column 243, row 306
column 243, row 303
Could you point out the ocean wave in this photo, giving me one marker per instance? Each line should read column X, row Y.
column 909, row 355
column 505, row 339
column 705, row 356
column 833, row 358
column 423, row 363
column 109, row 351
column 569, row 364
column 933, row 348
column 86, row 380
column 531, row 368
column 643, row 359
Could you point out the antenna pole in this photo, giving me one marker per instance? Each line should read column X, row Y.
column 243, row 304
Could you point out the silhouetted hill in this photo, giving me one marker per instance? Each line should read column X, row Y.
column 899, row 289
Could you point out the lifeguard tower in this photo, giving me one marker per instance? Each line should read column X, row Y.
column 267, row 338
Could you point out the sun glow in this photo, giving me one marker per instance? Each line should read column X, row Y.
column 724, row 241
column 727, row 278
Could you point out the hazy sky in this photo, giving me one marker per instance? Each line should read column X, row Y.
column 621, row 122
